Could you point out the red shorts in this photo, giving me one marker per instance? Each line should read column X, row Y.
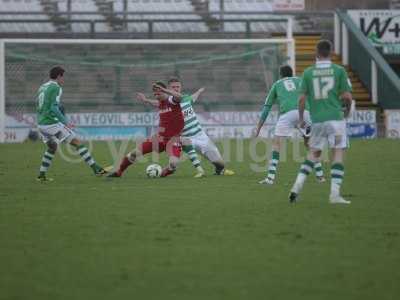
column 157, row 143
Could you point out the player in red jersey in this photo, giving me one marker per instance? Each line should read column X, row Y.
column 169, row 130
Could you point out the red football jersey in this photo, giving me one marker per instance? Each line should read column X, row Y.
column 171, row 118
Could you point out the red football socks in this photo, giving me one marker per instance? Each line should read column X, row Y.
column 166, row 172
column 123, row 166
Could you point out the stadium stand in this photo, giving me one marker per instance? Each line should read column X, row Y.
column 83, row 6
column 395, row 4
column 242, row 5
column 26, row 7
column 165, row 7
column 62, row 16
column 113, row 86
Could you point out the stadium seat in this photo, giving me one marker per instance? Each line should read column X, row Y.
column 160, row 6
column 24, row 6
column 84, row 6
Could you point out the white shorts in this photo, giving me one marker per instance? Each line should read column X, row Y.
column 331, row 132
column 203, row 144
column 57, row 132
column 289, row 121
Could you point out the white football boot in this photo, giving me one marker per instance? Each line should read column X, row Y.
column 338, row 200
column 266, row 181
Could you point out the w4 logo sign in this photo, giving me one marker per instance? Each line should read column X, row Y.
column 382, row 26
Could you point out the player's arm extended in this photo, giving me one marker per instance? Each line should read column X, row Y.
column 197, row 94
column 264, row 115
column 302, row 107
column 142, row 98
column 269, row 102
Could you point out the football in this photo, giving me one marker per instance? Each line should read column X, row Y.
column 153, row 171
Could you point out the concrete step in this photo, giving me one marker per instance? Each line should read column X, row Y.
column 365, row 104
column 361, row 95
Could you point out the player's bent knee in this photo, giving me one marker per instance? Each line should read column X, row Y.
column 317, row 153
column 186, row 141
column 132, row 156
column 276, row 144
column 52, row 146
column 75, row 142
column 313, row 154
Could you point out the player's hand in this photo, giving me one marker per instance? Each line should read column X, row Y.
column 71, row 125
column 156, row 86
column 256, row 132
column 346, row 113
column 347, row 110
column 302, row 124
column 141, row 97
column 201, row 90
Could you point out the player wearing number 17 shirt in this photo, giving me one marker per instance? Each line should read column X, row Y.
column 285, row 93
column 327, row 90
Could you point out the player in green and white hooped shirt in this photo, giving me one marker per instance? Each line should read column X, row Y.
column 187, row 110
column 284, row 93
column 193, row 136
column 53, row 125
column 326, row 88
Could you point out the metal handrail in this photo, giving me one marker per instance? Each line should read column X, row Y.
column 150, row 22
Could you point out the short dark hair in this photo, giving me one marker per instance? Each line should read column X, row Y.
column 173, row 79
column 286, row 71
column 55, row 72
column 160, row 83
column 324, row 48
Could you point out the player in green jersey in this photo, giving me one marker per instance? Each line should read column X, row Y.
column 327, row 89
column 284, row 93
column 193, row 136
column 53, row 125
column 187, row 111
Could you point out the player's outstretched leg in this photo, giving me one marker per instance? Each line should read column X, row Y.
column 171, row 168
column 337, row 173
column 46, row 161
column 212, row 153
column 305, row 170
column 128, row 160
column 272, row 168
column 273, row 163
column 191, row 152
column 83, row 151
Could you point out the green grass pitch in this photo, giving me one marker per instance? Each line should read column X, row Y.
column 82, row 237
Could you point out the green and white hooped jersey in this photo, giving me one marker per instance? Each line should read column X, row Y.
column 192, row 125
